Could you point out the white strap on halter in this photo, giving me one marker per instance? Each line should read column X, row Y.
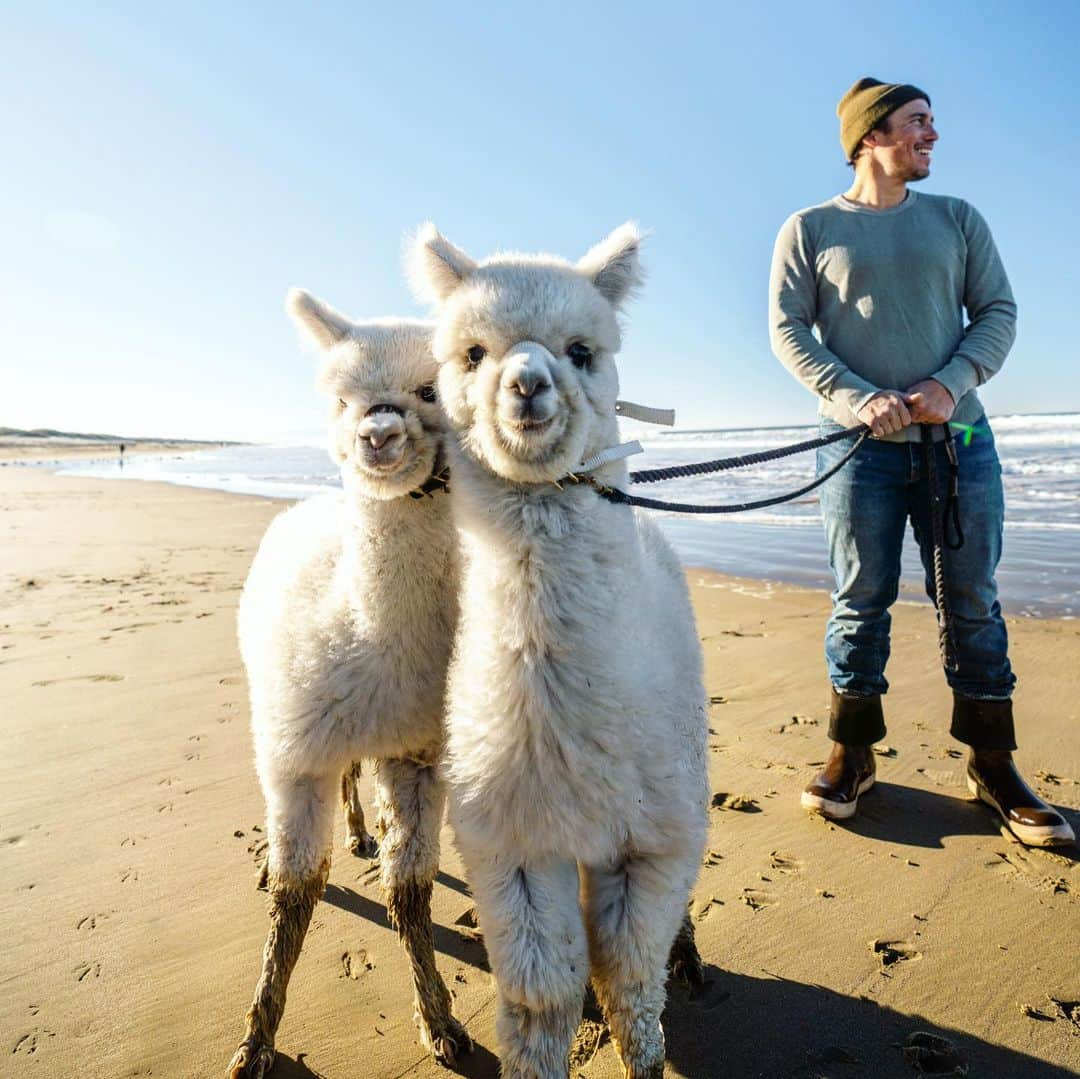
column 627, row 410
column 612, row 453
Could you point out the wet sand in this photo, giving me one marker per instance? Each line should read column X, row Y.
column 131, row 826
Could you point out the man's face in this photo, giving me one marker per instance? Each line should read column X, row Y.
column 904, row 150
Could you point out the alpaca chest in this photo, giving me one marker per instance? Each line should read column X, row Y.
column 541, row 757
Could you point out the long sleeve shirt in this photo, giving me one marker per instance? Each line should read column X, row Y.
column 865, row 300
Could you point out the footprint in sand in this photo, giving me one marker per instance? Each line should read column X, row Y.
column 193, row 756
column 129, row 875
column 706, row 906
column 757, row 900
column 87, row 971
column 741, row 803
column 88, row 922
column 891, row 952
column 30, row 1043
column 356, row 963
column 1030, row 866
column 81, row 678
column 229, row 680
column 785, row 863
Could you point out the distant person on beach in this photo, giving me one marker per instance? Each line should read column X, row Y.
column 121, row 455
column 884, row 276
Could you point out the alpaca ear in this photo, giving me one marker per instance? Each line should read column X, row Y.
column 435, row 267
column 317, row 320
column 612, row 265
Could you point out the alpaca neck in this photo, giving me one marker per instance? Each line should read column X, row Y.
column 398, row 545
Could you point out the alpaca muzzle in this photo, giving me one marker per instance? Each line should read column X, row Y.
column 381, row 434
column 526, row 385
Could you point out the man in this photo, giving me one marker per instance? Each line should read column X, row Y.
column 884, row 277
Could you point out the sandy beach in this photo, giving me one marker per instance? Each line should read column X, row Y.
column 131, row 827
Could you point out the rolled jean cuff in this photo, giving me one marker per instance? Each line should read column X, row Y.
column 983, row 724
column 856, row 721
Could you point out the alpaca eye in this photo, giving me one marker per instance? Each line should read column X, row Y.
column 426, row 392
column 473, row 357
column 580, row 355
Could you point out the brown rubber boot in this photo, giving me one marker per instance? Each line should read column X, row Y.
column 855, row 723
column 834, row 791
column 992, row 777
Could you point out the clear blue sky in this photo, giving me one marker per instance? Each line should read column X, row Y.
column 169, row 171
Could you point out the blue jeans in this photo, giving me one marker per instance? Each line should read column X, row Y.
column 866, row 507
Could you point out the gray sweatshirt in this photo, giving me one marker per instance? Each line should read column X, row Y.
column 886, row 291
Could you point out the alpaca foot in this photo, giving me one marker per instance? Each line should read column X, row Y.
column 446, row 1041
column 263, row 882
column 685, row 960
column 252, row 1060
column 363, row 845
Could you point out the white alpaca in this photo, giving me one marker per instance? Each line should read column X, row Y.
column 575, row 706
column 345, row 629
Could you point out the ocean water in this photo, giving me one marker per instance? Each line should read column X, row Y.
column 1040, row 455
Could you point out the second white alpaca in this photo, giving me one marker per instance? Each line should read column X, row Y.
column 575, row 703
column 345, row 628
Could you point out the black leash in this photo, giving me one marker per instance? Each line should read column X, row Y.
column 655, row 475
column 942, row 515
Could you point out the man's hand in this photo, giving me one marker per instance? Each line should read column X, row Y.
column 929, row 402
column 885, row 413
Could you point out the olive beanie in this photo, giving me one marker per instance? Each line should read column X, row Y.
column 866, row 104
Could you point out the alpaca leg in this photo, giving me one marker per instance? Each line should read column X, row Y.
column 530, row 916
column 357, row 838
column 299, row 822
column 684, row 962
column 411, row 801
column 633, row 913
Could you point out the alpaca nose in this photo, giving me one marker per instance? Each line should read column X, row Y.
column 526, row 373
column 528, row 383
column 381, row 428
column 380, row 437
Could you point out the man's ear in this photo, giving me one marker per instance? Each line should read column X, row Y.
column 435, row 267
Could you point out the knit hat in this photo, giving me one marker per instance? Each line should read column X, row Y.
column 866, row 104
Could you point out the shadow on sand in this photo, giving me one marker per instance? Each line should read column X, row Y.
column 742, row 1026
column 891, row 813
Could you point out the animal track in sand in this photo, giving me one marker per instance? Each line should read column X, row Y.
column 741, row 803
column 785, row 863
column 705, row 906
column 229, row 680
column 86, row 971
column 80, row 678
column 795, row 721
column 193, row 756
column 31, row 1042
column 88, row 922
column 757, row 900
column 356, row 963
column 891, row 952
column 129, row 875
column 1024, row 865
